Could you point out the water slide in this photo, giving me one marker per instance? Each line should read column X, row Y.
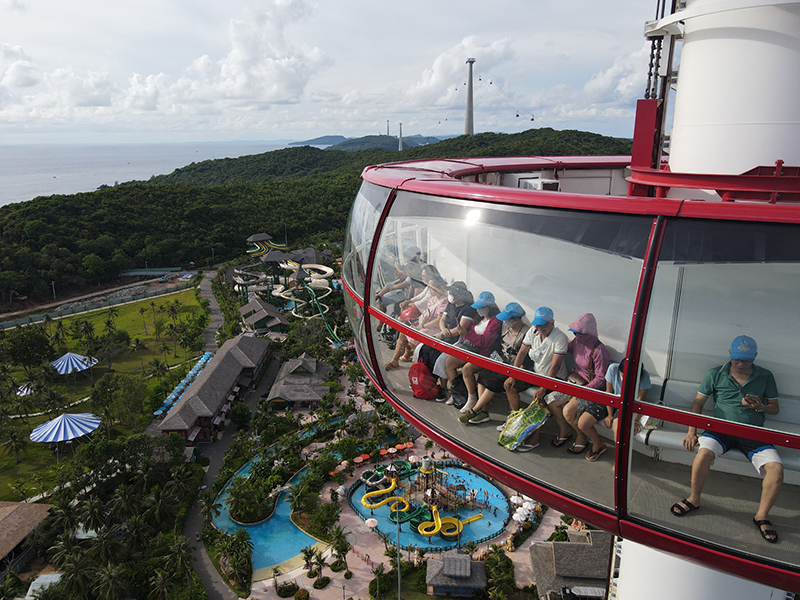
column 398, row 500
column 447, row 526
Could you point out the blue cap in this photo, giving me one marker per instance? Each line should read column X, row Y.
column 543, row 316
column 744, row 348
column 484, row 299
column 512, row 309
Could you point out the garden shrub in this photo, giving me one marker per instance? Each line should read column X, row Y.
column 287, row 589
column 301, row 594
column 321, row 582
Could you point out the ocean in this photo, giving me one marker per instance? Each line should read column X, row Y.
column 46, row 169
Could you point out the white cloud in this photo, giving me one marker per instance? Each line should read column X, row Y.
column 624, row 81
column 12, row 5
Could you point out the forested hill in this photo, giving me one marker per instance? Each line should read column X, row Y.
column 307, row 161
column 303, row 194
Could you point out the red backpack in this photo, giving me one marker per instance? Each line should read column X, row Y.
column 423, row 382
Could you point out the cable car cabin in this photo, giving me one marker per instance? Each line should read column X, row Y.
column 670, row 281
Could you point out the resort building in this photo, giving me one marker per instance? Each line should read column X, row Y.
column 202, row 407
column 455, row 575
column 261, row 316
column 17, row 522
column 577, row 568
column 300, row 382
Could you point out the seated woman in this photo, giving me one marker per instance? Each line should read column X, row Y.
column 428, row 321
column 490, row 383
column 429, row 272
column 614, row 386
column 480, row 338
column 591, row 363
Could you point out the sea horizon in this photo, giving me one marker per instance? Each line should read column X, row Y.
column 29, row 171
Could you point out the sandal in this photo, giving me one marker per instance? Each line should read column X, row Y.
column 768, row 534
column 576, row 448
column 684, row 507
column 390, row 365
column 594, row 455
column 560, row 441
column 526, row 447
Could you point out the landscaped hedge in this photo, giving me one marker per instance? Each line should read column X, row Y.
column 321, row 582
column 288, row 589
column 301, row 595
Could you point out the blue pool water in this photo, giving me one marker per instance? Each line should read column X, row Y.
column 274, row 540
column 489, row 526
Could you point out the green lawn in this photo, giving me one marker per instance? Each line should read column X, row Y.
column 37, row 458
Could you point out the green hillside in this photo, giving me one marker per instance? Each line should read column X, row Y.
column 301, row 193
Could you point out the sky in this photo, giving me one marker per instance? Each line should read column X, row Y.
column 156, row 71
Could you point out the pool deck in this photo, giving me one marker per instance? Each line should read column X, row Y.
column 368, row 550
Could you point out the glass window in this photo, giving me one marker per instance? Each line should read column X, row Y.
column 660, row 477
column 714, row 282
column 360, row 232
column 573, row 262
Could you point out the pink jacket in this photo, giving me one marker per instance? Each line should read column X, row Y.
column 485, row 341
column 591, row 366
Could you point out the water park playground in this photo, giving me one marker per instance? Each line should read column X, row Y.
column 437, row 505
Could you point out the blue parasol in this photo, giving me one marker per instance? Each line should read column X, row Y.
column 65, row 427
column 72, row 362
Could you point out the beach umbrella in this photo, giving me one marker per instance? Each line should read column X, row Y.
column 365, row 457
column 71, row 363
column 529, row 505
column 400, row 446
column 384, row 452
column 413, row 459
column 358, row 460
column 371, row 523
column 516, row 499
column 25, row 390
column 392, row 450
column 65, row 427
column 519, row 518
column 341, row 490
column 409, row 444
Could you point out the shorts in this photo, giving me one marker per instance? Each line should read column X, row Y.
column 393, row 297
column 758, row 453
column 520, row 386
column 495, row 382
column 597, row 410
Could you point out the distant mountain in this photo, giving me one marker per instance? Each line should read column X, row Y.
column 385, row 142
column 325, row 140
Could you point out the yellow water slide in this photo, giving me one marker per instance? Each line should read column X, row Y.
column 429, row 528
column 400, row 503
column 451, row 526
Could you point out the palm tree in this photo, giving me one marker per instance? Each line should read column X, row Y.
column 92, row 513
column 240, row 498
column 470, row 547
column 378, row 571
column 164, row 347
column 340, row 544
column 180, row 560
column 307, row 554
column 319, row 563
column 137, row 534
column 181, row 482
column 155, row 324
column 209, row 507
column 53, row 401
column 15, row 441
column 160, row 586
column 124, row 502
column 77, row 575
column 172, row 331
column 111, row 582
column 158, row 368
column 61, row 550
column 297, row 497
column 66, row 518
column 143, row 310
column 240, row 554
column 20, row 487
column 160, row 507
column 109, row 326
column 135, row 346
column 105, row 548
column 24, row 406
column 173, row 311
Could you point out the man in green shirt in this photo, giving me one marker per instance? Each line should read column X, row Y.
column 743, row 393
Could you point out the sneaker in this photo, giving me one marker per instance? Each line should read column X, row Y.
column 450, row 400
column 471, row 402
column 480, row 417
column 466, row 416
column 501, row 426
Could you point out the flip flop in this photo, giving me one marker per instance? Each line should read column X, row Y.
column 680, row 511
column 576, row 448
column 389, row 366
column 526, row 447
column 593, row 456
column 768, row 534
column 558, row 442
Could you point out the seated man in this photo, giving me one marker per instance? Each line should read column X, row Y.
column 407, row 286
column 489, row 382
column 743, row 393
column 614, row 386
column 546, row 346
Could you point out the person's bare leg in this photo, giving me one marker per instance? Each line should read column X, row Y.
column 586, row 424
column 399, row 350
column 512, row 394
column 451, row 366
column 468, row 372
column 701, row 467
column 565, row 414
column 770, row 487
column 484, row 397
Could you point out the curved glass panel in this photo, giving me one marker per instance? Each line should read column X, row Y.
column 573, row 262
column 661, row 474
column 361, row 229
column 716, row 281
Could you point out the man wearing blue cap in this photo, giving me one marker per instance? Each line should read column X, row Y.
column 743, row 393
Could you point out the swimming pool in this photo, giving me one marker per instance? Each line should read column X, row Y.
column 491, row 524
column 275, row 539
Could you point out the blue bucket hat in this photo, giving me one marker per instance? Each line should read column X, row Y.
column 484, row 299
column 512, row 309
column 744, row 348
column 543, row 316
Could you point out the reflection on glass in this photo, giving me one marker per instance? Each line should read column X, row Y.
column 720, row 512
column 360, row 232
